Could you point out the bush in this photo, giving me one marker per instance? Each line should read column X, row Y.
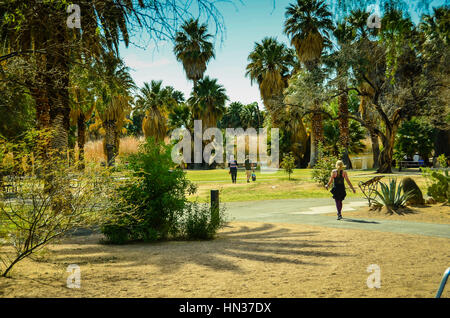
column 325, row 164
column 153, row 205
column 198, row 223
column 409, row 185
column 392, row 196
column 438, row 182
column 288, row 164
column 46, row 206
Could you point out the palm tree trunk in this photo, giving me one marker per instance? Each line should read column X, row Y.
column 344, row 137
column 109, row 141
column 316, row 137
column 81, row 139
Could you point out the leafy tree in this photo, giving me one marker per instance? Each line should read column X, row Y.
column 288, row 164
column 414, row 136
column 36, row 30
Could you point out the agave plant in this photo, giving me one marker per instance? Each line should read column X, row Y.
column 392, row 195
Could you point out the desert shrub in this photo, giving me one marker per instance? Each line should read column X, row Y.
column 197, row 222
column 392, row 196
column 438, row 182
column 47, row 205
column 152, row 205
column 325, row 164
column 409, row 185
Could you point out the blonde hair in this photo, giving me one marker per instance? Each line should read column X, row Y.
column 340, row 165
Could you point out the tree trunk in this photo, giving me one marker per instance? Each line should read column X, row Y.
column 316, row 137
column 386, row 155
column 81, row 139
column 109, row 141
column 42, row 107
column 58, row 95
column 344, row 137
column 375, row 150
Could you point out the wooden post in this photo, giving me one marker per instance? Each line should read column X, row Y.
column 214, row 206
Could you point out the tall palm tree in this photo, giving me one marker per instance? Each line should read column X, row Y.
column 208, row 101
column 193, row 49
column 308, row 23
column 114, row 85
column 82, row 106
column 271, row 64
column 371, row 53
column 157, row 101
column 344, row 35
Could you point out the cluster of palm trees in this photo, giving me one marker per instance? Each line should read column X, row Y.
column 328, row 61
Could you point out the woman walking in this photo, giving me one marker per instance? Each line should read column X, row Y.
column 337, row 177
column 233, row 169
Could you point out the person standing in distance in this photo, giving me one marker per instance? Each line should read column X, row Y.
column 233, row 169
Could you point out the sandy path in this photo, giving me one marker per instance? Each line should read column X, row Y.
column 246, row 260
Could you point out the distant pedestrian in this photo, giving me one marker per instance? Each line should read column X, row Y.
column 233, row 169
column 248, row 168
column 337, row 177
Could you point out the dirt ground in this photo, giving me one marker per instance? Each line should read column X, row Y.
column 436, row 213
column 246, row 260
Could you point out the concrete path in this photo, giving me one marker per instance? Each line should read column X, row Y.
column 310, row 211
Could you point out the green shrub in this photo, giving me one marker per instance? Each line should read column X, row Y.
column 409, row 185
column 392, row 196
column 438, row 182
column 152, row 205
column 288, row 164
column 198, row 223
column 325, row 164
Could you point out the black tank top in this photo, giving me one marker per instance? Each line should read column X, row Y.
column 339, row 179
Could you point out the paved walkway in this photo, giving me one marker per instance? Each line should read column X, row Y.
column 311, row 212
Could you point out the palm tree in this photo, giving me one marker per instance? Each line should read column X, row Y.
column 371, row 53
column 44, row 38
column 208, row 101
column 193, row 49
column 308, row 23
column 344, row 35
column 271, row 64
column 82, row 107
column 114, row 85
column 157, row 101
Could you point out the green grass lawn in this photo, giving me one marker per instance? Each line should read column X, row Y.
column 277, row 186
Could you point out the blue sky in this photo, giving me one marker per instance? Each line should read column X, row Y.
column 245, row 23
